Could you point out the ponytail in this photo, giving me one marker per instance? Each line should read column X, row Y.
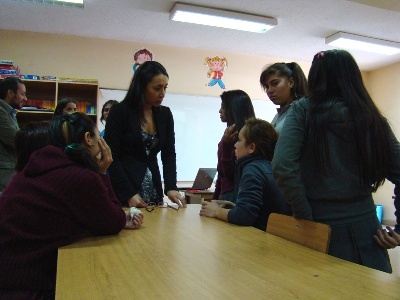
column 67, row 132
column 300, row 88
column 288, row 70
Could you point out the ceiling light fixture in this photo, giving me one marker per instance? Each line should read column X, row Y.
column 70, row 3
column 221, row 18
column 363, row 43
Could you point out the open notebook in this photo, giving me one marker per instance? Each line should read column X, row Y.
column 203, row 180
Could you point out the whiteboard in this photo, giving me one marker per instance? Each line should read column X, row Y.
column 198, row 128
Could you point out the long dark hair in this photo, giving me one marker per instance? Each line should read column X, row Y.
column 32, row 137
column 67, row 132
column 238, row 106
column 143, row 75
column 334, row 74
column 263, row 135
column 62, row 104
column 112, row 102
column 287, row 70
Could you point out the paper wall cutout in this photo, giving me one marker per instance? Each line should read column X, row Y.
column 140, row 56
column 216, row 66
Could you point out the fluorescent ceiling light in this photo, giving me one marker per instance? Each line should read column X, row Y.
column 363, row 43
column 72, row 3
column 221, row 18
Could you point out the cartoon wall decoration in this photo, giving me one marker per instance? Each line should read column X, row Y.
column 140, row 56
column 216, row 65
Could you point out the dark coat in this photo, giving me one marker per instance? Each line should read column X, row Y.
column 256, row 193
column 8, row 130
column 130, row 161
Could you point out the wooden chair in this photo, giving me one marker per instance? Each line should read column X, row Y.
column 307, row 233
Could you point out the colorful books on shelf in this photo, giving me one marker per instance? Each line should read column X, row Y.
column 7, row 69
column 30, row 77
column 6, row 62
column 86, row 107
column 40, row 104
column 47, row 77
column 90, row 109
column 48, row 105
column 34, row 108
column 78, row 80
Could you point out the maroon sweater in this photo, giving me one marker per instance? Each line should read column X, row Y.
column 226, row 168
column 46, row 206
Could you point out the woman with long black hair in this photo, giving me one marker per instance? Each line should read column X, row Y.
column 283, row 83
column 137, row 129
column 334, row 151
column 236, row 108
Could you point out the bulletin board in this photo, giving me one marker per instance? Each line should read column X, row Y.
column 198, row 128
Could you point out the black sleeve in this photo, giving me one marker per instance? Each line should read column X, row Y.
column 115, row 128
column 168, row 154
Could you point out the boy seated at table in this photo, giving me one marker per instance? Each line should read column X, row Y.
column 256, row 192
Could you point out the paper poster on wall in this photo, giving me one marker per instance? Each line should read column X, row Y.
column 140, row 56
column 216, row 65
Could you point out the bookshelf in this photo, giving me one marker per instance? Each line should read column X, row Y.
column 46, row 94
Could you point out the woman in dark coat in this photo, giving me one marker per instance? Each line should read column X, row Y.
column 137, row 129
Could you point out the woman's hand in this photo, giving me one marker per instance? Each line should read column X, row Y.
column 224, row 203
column 135, row 222
column 230, row 134
column 136, row 201
column 387, row 240
column 209, row 209
column 104, row 158
column 177, row 198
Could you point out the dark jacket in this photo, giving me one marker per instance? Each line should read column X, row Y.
column 256, row 193
column 296, row 170
column 130, row 161
column 8, row 130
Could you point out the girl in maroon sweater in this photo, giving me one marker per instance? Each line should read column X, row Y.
column 60, row 193
column 236, row 108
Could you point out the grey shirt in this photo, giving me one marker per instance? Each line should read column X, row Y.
column 279, row 118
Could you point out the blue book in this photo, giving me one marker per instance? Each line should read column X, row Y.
column 29, row 76
column 8, row 72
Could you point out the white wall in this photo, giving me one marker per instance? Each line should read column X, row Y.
column 198, row 128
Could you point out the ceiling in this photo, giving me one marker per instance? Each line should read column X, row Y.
column 301, row 31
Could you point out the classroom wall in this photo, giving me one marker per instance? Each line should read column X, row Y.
column 384, row 87
column 198, row 128
column 111, row 61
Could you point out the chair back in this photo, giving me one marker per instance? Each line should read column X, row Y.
column 307, row 233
